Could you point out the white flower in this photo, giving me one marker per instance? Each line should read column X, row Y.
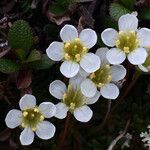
column 127, row 141
column 31, row 119
column 129, row 42
column 72, row 100
column 73, row 51
column 103, row 78
column 146, row 138
column 145, row 67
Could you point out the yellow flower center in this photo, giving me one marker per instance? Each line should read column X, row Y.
column 101, row 76
column 127, row 41
column 74, row 50
column 73, row 98
column 31, row 117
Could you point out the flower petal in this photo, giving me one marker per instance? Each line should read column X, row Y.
column 138, row 56
column 143, row 68
column 110, row 91
column 128, row 22
column 57, row 89
column 69, row 68
column 26, row 136
column 90, row 62
column 115, row 56
column 109, row 37
column 61, row 110
column 27, row 101
column 101, row 52
column 83, row 114
column 13, row 118
column 94, row 99
column 68, row 33
column 88, row 88
column 88, row 37
column 55, row 51
column 144, row 37
column 48, row 109
column 118, row 72
column 45, row 130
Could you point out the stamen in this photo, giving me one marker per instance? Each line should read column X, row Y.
column 72, row 106
column 84, row 49
column 67, row 45
column 64, row 96
column 33, row 129
column 75, row 47
column 126, row 49
column 107, row 66
column 67, row 57
column 121, row 33
column 77, row 40
column 100, row 85
column 32, row 115
column 36, row 110
column 23, row 125
column 41, row 118
column 77, row 56
column 92, row 75
column 109, row 78
column 117, row 43
column 25, row 113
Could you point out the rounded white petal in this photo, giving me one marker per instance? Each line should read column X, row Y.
column 13, row 118
column 57, row 89
column 45, row 130
column 27, row 101
column 83, row 73
column 115, row 56
column 88, row 37
column 48, row 109
column 83, row 114
column 109, row 37
column 110, row 91
column 118, row 72
column 88, row 88
column 26, row 136
column 138, row 56
column 101, row 52
column 61, row 111
column 144, row 37
column 68, row 33
column 55, row 51
column 69, row 68
column 90, row 62
column 94, row 99
column 143, row 68
column 128, row 22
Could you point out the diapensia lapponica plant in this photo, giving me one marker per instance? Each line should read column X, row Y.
column 91, row 75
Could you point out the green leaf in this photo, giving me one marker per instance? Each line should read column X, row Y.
column 34, row 56
column 44, row 63
column 20, row 38
column 8, row 66
column 117, row 10
column 145, row 14
column 129, row 4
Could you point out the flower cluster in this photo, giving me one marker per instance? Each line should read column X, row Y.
column 90, row 75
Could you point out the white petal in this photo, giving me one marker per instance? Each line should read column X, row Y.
column 94, row 99
column 83, row 114
column 143, row 68
column 48, row 109
column 61, row 110
column 101, row 52
column 128, row 22
column 26, row 136
column 27, row 101
column 76, row 81
column 110, row 91
column 57, row 89
column 88, row 88
column 115, row 56
column 45, row 130
column 118, row 72
column 88, row 37
column 109, row 37
column 144, row 37
column 138, row 56
column 13, row 118
column 55, row 51
column 90, row 62
column 69, row 68
column 68, row 33
column 83, row 73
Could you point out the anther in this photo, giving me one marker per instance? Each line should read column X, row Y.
column 75, row 47
column 121, row 33
column 109, row 78
column 107, row 66
column 72, row 106
column 64, row 96
column 41, row 118
column 33, row 129
column 92, row 75
column 126, row 49
column 36, row 110
column 77, row 40
column 77, row 56
column 100, row 84
column 32, row 115
column 67, row 45
column 25, row 113
column 117, row 43
column 67, row 57
column 84, row 49
column 23, row 125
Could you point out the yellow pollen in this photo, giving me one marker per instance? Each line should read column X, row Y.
column 67, row 57
column 72, row 106
column 64, row 96
column 126, row 49
column 121, row 32
column 84, row 49
column 75, row 47
column 36, row 110
column 67, row 45
column 23, row 125
column 107, row 66
column 100, row 84
column 77, row 40
column 41, row 118
column 117, row 43
column 33, row 129
column 32, row 115
column 77, row 56
column 92, row 75
column 25, row 113
column 109, row 78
